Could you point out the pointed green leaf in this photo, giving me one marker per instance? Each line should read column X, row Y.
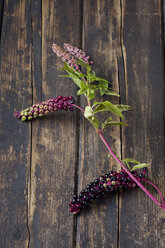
column 101, row 79
column 91, row 93
column 113, row 108
column 91, row 76
column 67, row 76
column 103, row 85
column 131, row 160
column 127, row 164
column 94, row 121
column 87, row 66
column 71, row 70
column 101, row 108
column 117, row 123
column 108, row 123
column 77, row 81
column 107, row 106
column 82, row 75
column 90, row 116
column 139, row 166
column 111, row 93
column 82, row 90
column 124, row 107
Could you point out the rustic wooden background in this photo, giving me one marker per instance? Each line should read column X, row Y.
column 43, row 163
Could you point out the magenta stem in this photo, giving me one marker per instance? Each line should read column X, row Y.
column 127, row 171
column 76, row 106
column 161, row 196
column 162, row 205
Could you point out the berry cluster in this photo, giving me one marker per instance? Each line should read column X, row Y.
column 111, row 182
column 44, row 108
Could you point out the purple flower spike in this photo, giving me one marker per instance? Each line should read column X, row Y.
column 45, row 107
column 77, row 53
column 66, row 57
column 71, row 55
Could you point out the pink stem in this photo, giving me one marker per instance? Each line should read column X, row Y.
column 162, row 205
column 129, row 173
column 161, row 196
column 76, row 106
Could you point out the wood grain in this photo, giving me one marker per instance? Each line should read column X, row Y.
column 1, row 14
column 45, row 162
column 98, row 227
column 14, row 136
column 142, row 223
column 54, row 139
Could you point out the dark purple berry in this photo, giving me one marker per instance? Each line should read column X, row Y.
column 145, row 170
column 73, row 201
column 72, row 101
column 71, row 108
column 141, row 175
column 113, row 178
column 60, row 107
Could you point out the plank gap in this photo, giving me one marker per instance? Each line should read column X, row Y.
column 76, row 175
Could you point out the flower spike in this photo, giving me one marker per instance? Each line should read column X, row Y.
column 45, row 107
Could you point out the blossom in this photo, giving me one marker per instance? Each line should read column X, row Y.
column 71, row 55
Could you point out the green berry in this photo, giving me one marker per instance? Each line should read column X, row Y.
column 35, row 114
column 30, row 118
column 23, row 118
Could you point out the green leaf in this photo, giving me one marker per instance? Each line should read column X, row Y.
column 139, row 166
column 91, row 93
column 87, row 66
column 90, row 116
column 82, row 75
column 124, row 107
column 111, row 93
column 70, row 70
column 73, row 74
column 88, row 112
column 91, row 76
column 94, row 121
column 131, row 160
column 108, row 123
column 101, row 79
column 127, row 164
column 113, row 108
column 103, row 86
column 118, row 123
column 107, row 106
column 100, row 108
column 82, row 90
column 67, row 76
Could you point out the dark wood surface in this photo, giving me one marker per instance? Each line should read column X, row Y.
column 43, row 163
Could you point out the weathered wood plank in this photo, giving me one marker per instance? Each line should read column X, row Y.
column 15, row 73
column 54, row 153
column 98, row 226
column 142, row 223
column 1, row 14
